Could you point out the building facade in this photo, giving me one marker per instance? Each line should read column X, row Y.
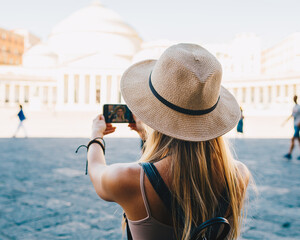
column 29, row 38
column 11, row 48
column 79, row 66
column 282, row 58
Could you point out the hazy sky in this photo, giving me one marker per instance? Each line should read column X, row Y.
column 209, row 21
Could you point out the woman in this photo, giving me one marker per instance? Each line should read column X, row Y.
column 181, row 99
column 119, row 114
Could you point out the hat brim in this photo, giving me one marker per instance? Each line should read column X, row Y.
column 141, row 101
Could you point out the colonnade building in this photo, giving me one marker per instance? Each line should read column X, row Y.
column 79, row 66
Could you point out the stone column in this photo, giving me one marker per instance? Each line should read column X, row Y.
column 30, row 93
column 248, row 95
column 274, row 94
column 290, row 91
column 60, row 90
column 2, row 93
column 103, row 90
column 71, row 89
column 256, row 95
column 81, row 89
column 114, row 89
column 11, row 94
column 282, row 92
column 21, row 94
column 41, row 94
column 265, row 95
column 46, row 90
column 93, row 89
column 239, row 95
column 50, row 95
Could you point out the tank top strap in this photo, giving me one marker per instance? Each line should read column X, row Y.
column 142, row 186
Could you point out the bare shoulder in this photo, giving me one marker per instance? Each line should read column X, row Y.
column 243, row 170
column 119, row 182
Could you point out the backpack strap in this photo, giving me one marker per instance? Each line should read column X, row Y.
column 158, row 184
column 220, row 212
column 165, row 195
column 129, row 236
column 210, row 223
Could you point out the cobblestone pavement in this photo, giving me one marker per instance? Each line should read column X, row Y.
column 44, row 193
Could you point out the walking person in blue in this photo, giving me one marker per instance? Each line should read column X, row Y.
column 22, row 117
column 296, row 116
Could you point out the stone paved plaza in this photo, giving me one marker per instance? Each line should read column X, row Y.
column 45, row 194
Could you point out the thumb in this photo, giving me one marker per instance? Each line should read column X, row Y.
column 101, row 117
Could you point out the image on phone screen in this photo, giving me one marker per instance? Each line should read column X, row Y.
column 117, row 113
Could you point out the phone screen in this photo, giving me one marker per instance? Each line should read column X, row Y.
column 117, row 113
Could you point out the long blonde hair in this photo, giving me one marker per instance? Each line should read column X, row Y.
column 200, row 173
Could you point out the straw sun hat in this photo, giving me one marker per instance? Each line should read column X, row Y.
column 180, row 94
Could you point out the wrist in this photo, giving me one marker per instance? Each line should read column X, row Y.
column 99, row 141
column 96, row 135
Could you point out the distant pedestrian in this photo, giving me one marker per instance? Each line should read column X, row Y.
column 22, row 117
column 240, row 126
column 296, row 116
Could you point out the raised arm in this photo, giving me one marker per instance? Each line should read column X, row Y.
column 116, row 182
column 96, row 160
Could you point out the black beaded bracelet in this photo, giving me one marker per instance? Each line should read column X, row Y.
column 95, row 140
column 100, row 139
column 98, row 142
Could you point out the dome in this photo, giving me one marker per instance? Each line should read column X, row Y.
column 98, row 61
column 40, row 55
column 93, row 29
column 152, row 50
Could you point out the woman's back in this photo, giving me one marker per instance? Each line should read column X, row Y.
column 129, row 179
column 147, row 215
column 156, row 223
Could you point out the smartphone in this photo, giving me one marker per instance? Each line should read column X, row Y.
column 117, row 113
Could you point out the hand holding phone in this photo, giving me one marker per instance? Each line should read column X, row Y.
column 100, row 128
column 139, row 127
column 117, row 113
